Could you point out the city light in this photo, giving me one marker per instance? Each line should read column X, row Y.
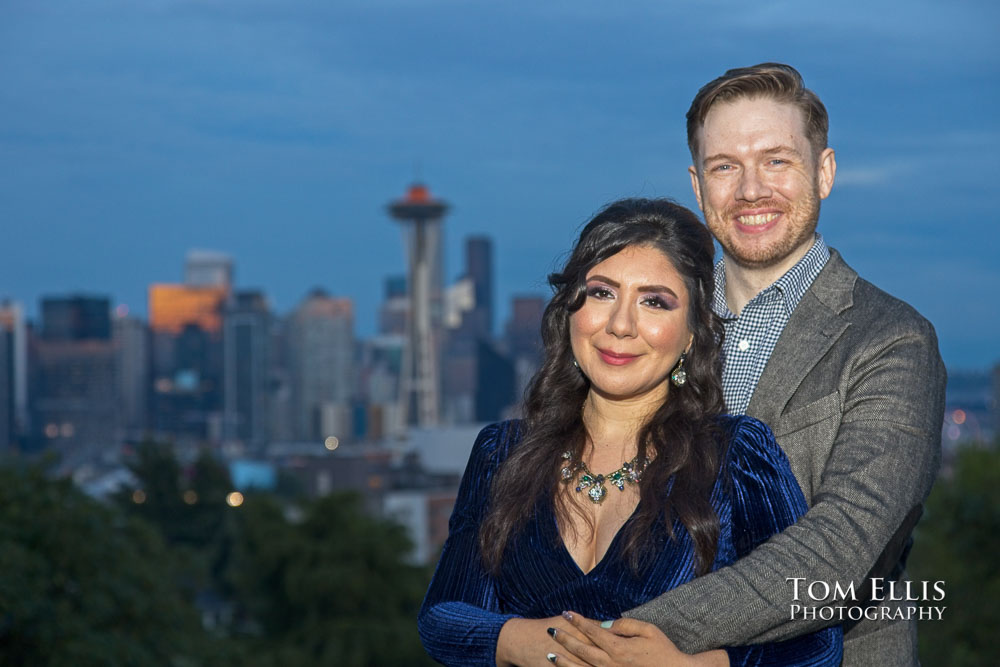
column 958, row 417
column 234, row 499
column 190, row 497
column 138, row 496
column 332, row 443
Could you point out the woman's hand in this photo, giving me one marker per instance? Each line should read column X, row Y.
column 527, row 642
column 627, row 642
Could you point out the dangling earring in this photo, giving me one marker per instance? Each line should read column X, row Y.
column 576, row 363
column 679, row 376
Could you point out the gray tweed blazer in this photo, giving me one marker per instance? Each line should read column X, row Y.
column 854, row 392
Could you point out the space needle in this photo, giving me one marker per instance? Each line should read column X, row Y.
column 421, row 216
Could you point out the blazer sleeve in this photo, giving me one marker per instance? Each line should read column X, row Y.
column 879, row 471
column 460, row 618
column 765, row 500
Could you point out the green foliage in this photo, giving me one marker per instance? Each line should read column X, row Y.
column 329, row 589
column 81, row 584
column 957, row 542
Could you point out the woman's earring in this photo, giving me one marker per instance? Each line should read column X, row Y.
column 576, row 363
column 679, row 376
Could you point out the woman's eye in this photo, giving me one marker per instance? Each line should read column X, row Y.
column 600, row 292
column 654, row 301
column 658, row 302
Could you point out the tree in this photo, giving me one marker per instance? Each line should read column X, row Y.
column 332, row 589
column 957, row 543
column 81, row 584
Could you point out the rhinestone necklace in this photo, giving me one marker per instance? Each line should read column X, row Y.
column 630, row 472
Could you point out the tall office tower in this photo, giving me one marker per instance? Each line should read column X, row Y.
column 131, row 343
column 479, row 270
column 523, row 338
column 246, row 368
column 186, row 326
column 320, row 354
column 395, row 309
column 421, row 215
column 76, row 317
column 206, row 268
column 13, row 374
column 73, row 390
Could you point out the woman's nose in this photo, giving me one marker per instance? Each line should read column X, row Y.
column 621, row 322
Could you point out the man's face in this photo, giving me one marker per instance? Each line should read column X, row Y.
column 758, row 182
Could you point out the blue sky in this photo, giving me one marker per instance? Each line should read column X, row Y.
column 276, row 131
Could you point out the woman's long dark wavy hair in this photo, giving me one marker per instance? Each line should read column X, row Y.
column 682, row 437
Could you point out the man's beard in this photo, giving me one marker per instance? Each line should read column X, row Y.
column 798, row 224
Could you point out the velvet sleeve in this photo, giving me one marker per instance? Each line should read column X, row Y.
column 766, row 499
column 460, row 618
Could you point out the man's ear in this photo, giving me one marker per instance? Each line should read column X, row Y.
column 827, row 172
column 696, row 186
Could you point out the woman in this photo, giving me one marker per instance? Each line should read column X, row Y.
column 623, row 480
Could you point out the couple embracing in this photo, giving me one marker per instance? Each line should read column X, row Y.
column 702, row 442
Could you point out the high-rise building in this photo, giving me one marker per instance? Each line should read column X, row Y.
column 76, row 317
column 131, row 344
column 523, row 338
column 246, row 367
column 13, row 374
column 395, row 309
column 206, row 268
column 421, row 215
column 74, row 401
column 186, row 327
column 320, row 356
column 479, row 270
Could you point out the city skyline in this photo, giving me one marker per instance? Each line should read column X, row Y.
column 276, row 133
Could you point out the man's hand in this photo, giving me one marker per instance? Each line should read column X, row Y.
column 627, row 642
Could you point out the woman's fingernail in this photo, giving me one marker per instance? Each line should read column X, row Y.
column 567, row 615
column 551, row 631
column 607, row 624
column 551, row 657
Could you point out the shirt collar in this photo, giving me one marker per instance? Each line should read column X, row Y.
column 791, row 286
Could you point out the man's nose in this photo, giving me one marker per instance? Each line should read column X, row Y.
column 752, row 186
column 621, row 323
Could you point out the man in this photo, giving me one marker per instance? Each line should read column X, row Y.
column 847, row 377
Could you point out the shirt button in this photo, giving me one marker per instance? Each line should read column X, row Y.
column 744, row 345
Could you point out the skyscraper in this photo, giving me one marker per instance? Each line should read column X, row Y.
column 73, row 390
column 186, row 327
column 131, row 343
column 246, row 368
column 421, row 215
column 206, row 268
column 13, row 374
column 479, row 269
column 523, row 338
column 76, row 317
column 320, row 355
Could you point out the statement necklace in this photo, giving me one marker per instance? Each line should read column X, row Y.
column 630, row 472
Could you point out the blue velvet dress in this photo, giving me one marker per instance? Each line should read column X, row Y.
column 755, row 497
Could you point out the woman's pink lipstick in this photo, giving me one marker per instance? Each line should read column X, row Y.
column 616, row 359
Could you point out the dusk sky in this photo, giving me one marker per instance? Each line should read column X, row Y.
column 276, row 131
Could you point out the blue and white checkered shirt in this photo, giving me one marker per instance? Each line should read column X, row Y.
column 751, row 337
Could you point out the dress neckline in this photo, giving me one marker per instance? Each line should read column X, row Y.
column 612, row 545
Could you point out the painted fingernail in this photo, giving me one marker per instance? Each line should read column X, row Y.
column 551, row 631
column 551, row 657
column 567, row 615
column 607, row 624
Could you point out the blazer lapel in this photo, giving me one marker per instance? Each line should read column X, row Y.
column 813, row 328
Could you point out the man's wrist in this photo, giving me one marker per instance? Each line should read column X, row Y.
column 714, row 658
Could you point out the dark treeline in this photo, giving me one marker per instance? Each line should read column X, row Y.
column 182, row 578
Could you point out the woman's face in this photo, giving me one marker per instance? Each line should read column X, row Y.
column 633, row 325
